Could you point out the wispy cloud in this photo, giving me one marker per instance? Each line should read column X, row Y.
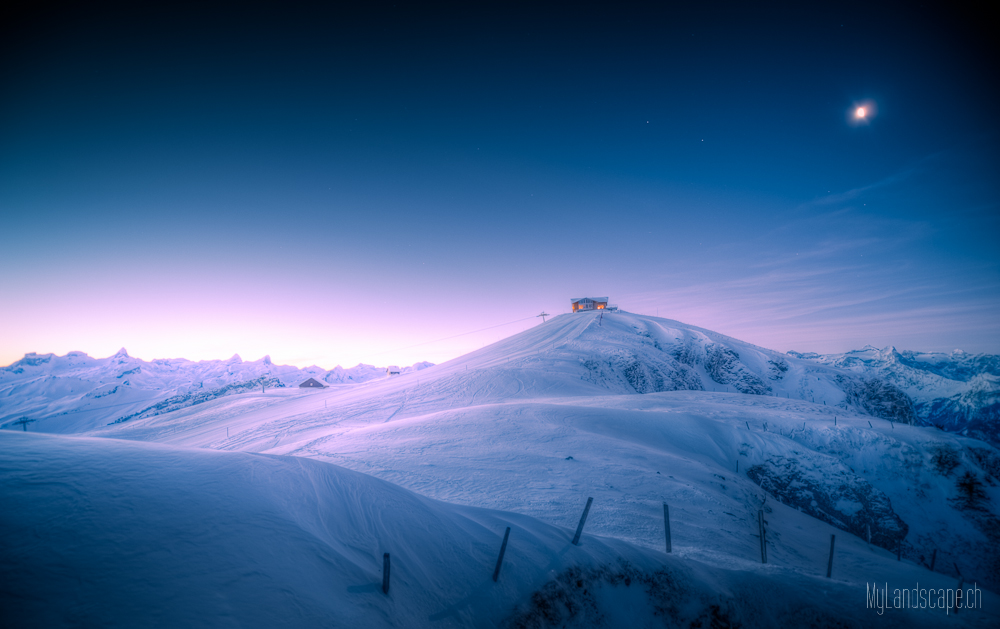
column 849, row 195
column 901, row 176
column 832, row 307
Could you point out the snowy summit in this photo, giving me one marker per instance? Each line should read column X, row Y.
column 287, row 499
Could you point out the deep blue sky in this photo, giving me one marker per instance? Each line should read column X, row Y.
column 330, row 186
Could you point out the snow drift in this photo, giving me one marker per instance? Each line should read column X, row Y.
column 115, row 534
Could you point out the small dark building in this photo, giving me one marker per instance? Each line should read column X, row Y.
column 312, row 383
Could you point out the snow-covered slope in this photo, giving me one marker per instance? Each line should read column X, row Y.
column 108, row 533
column 585, row 354
column 636, row 411
column 530, row 423
column 957, row 392
column 75, row 392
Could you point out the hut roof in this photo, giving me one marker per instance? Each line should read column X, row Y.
column 312, row 383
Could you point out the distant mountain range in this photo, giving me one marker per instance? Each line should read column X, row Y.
column 75, row 392
column 956, row 392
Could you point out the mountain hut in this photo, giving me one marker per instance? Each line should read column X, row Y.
column 589, row 303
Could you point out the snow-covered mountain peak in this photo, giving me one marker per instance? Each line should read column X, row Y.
column 595, row 353
column 956, row 391
column 31, row 359
column 588, row 353
column 635, row 411
column 537, row 422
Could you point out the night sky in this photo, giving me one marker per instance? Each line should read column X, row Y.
column 332, row 187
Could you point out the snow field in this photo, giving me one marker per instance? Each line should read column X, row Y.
column 530, row 427
column 112, row 533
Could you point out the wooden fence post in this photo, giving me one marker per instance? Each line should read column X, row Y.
column 763, row 541
column 829, row 564
column 583, row 520
column 503, row 549
column 666, row 525
column 385, row 573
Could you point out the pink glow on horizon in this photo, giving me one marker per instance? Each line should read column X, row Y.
column 301, row 332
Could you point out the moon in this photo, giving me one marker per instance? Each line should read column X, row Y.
column 861, row 113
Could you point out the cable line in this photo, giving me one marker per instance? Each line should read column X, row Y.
column 447, row 338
